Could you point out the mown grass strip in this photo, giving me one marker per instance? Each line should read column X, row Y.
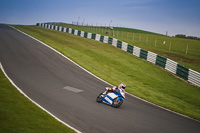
column 20, row 115
column 170, row 47
column 143, row 79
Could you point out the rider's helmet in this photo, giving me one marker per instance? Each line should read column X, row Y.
column 122, row 85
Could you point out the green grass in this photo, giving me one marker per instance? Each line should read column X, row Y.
column 174, row 48
column 143, row 79
column 19, row 115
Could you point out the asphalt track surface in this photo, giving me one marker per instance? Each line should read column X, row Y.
column 47, row 77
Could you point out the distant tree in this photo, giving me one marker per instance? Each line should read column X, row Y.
column 187, row 37
column 180, row 36
column 193, row 37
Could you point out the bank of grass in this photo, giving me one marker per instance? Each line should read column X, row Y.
column 173, row 48
column 143, row 79
column 19, row 115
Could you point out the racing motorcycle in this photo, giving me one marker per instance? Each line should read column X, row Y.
column 114, row 98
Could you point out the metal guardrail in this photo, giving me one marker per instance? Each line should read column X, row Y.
column 168, row 64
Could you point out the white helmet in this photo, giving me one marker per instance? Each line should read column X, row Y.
column 122, row 85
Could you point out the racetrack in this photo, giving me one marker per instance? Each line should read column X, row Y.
column 68, row 92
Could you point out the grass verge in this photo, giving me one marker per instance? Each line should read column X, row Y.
column 183, row 51
column 143, row 79
column 19, row 115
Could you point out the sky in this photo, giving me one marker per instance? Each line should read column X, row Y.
column 159, row 16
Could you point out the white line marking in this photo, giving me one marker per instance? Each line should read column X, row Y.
column 62, row 55
column 1, row 67
column 104, row 80
column 72, row 89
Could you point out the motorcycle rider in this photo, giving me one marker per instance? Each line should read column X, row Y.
column 122, row 86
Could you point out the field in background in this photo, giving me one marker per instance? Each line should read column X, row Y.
column 143, row 79
column 183, row 51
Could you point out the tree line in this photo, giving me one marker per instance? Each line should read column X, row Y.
column 187, row 37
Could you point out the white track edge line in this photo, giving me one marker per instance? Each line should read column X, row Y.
column 104, row 80
column 63, row 56
column 1, row 67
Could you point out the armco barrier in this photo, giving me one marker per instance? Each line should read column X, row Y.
column 70, row 30
column 49, row 26
column 194, row 77
column 151, row 57
column 93, row 36
column 119, row 44
column 67, row 30
column 59, row 28
column 101, row 38
column 110, row 40
column 161, row 61
column 124, row 46
column 97, row 37
column 55, row 27
column 105, row 40
column 75, row 32
column 130, row 49
column 89, row 36
column 62, row 29
column 136, row 51
column 182, row 72
column 114, row 42
column 85, row 34
column 79, row 33
column 143, row 54
column 82, row 33
column 52, row 27
column 169, row 65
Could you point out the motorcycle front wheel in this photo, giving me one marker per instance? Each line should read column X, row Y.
column 98, row 99
column 116, row 103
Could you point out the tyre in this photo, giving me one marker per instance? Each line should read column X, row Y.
column 98, row 99
column 116, row 103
